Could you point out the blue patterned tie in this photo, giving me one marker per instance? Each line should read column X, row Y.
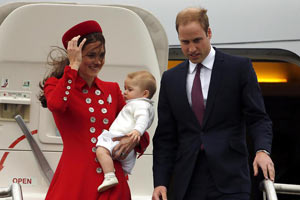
column 197, row 96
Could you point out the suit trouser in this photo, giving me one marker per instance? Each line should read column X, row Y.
column 202, row 186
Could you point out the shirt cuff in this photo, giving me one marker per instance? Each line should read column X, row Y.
column 263, row 151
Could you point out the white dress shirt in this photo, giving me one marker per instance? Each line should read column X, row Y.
column 205, row 75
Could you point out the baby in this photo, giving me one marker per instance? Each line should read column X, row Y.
column 133, row 120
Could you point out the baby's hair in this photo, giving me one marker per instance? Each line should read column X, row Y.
column 145, row 80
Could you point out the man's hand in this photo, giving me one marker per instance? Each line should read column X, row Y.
column 122, row 149
column 160, row 192
column 264, row 161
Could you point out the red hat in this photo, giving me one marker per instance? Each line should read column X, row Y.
column 81, row 29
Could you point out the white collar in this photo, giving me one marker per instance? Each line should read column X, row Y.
column 208, row 62
column 141, row 99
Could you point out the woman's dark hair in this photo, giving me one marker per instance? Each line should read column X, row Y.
column 58, row 59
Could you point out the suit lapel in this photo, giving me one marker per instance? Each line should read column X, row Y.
column 215, row 84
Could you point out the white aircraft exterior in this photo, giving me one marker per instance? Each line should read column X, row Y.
column 267, row 31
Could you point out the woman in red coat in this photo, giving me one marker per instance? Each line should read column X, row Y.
column 82, row 106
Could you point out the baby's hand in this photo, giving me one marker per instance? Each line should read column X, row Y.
column 135, row 135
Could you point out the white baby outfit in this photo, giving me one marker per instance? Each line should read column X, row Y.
column 137, row 114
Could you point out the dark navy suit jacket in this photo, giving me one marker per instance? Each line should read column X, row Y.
column 234, row 105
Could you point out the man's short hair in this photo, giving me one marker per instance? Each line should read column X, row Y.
column 193, row 15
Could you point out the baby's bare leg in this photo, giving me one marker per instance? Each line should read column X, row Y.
column 107, row 164
column 105, row 159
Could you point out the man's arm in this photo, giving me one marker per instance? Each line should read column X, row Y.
column 165, row 138
column 258, row 122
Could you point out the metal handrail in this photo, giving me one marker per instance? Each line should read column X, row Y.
column 13, row 191
column 269, row 192
column 270, row 189
column 287, row 188
column 42, row 161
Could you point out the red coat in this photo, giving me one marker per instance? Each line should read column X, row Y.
column 80, row 114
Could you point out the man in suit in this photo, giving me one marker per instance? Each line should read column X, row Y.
column 201, row 153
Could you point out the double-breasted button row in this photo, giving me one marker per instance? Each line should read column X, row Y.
column 91, row 109
column 92, row 129
column 92, row 120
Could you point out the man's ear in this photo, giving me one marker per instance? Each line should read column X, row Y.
column 209, row 33
column 146, row 93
